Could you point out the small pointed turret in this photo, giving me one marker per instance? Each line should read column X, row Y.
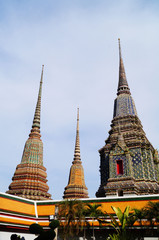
column 123, row 84
column 76, row 187
column 29, row 180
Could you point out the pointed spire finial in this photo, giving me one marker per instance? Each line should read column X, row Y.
column 41, row 80
column 35, row 131
column 119, row 48
column 123, row 84
column 78, row 118
column 77, row 156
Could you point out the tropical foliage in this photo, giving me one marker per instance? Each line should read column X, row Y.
column 138, row 215
column 74, row 216
column 120, row 225
column 93, row 211
column 149, row 213
column 152, row 213
column 71, row 217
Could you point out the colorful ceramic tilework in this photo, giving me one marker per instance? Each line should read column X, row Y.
column 137, row 163
column 33, row 152
column 124, row 105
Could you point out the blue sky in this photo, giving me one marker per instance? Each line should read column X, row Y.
column 77, row 41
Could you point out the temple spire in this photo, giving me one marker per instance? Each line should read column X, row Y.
column 35, row 131
column 76, row 187
column 77, row 156
column 127, row 163
column 123, row 84
column 30, row 177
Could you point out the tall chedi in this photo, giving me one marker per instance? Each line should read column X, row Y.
column 29, row 180
column 128, row 161
column 76, row 187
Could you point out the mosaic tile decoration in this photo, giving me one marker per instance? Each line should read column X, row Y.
column 127, row 142
column 124, row 105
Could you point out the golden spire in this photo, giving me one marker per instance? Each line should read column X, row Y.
column 77, row 156
column 76, row 187
column 35, row 131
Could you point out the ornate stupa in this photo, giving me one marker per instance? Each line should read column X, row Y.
column 29, row 180
column 128, row 162
column 76, row 187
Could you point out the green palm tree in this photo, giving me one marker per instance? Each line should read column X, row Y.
column 70, row 215
column 152, row 213
column 94, row 211
column 80, row 217
column 138, row 214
